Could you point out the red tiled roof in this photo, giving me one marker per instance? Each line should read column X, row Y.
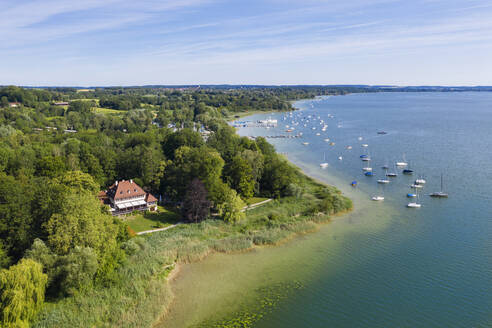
column 125, row 189
column 150, row 198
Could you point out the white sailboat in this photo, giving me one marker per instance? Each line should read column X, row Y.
column 402, row 163
column 416, row 203
column 379, row 197
column 324, row 164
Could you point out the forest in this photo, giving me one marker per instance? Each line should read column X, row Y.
column 59, row 147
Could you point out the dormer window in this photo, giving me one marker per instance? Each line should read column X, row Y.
column 128, row 190
column 121, row 192
column 135, row 190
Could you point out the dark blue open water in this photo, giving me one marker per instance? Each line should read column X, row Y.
column 429, row 267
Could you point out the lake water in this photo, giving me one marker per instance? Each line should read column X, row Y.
column 383, row 265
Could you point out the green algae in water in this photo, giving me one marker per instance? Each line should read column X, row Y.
column 269, row 297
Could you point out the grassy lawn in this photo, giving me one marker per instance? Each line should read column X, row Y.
column 151, row 220
column 254, row 200
column 232, row 116
column 108, row 111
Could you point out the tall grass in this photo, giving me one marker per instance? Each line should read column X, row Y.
column 141, row 295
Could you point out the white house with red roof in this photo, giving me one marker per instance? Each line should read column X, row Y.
column 126, row 196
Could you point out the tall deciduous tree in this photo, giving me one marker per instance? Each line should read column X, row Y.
column 80, row 222
column 184, row 137
column 240, row 176
column 277, row 176
column 256, row 160
column 203, row 163
column 196, row 206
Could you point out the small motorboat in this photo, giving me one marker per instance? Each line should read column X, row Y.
column 305, row 143
column 365, row 145
column 327, row 139
column 353, row 183
column 407, row 171
column 410, row 195
column 420, row 181
column 332, row 144
column 367, row 169
column 369, row 174
column 318, row 134
column 383, row 181
column 340, row 158
column 366, row 159
column 363, row 156
column 377, row 198
column 416, row 186
column 348, row 147
column 385, row 167
column 359, row 138
column 382, row 132
column 391, row 174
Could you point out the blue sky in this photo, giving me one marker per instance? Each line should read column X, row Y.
column 120, row 42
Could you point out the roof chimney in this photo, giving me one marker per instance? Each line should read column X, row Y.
column 131, row 181
column 116, row 183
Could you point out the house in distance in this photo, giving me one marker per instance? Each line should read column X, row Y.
column 126, row 196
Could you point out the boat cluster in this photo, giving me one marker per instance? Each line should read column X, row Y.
column 294, row 119
column 389, row 172
column 417, row 185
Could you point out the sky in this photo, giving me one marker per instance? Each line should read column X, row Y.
column 274, row 42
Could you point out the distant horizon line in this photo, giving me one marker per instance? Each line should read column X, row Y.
column 248, row 85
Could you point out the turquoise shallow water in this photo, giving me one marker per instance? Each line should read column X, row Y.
column 429, row 267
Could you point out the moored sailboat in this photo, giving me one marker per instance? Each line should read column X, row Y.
column 324, row 164
column 441, row 193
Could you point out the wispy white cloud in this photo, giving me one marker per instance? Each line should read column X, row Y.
column 36, row 21
column 157, row 38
